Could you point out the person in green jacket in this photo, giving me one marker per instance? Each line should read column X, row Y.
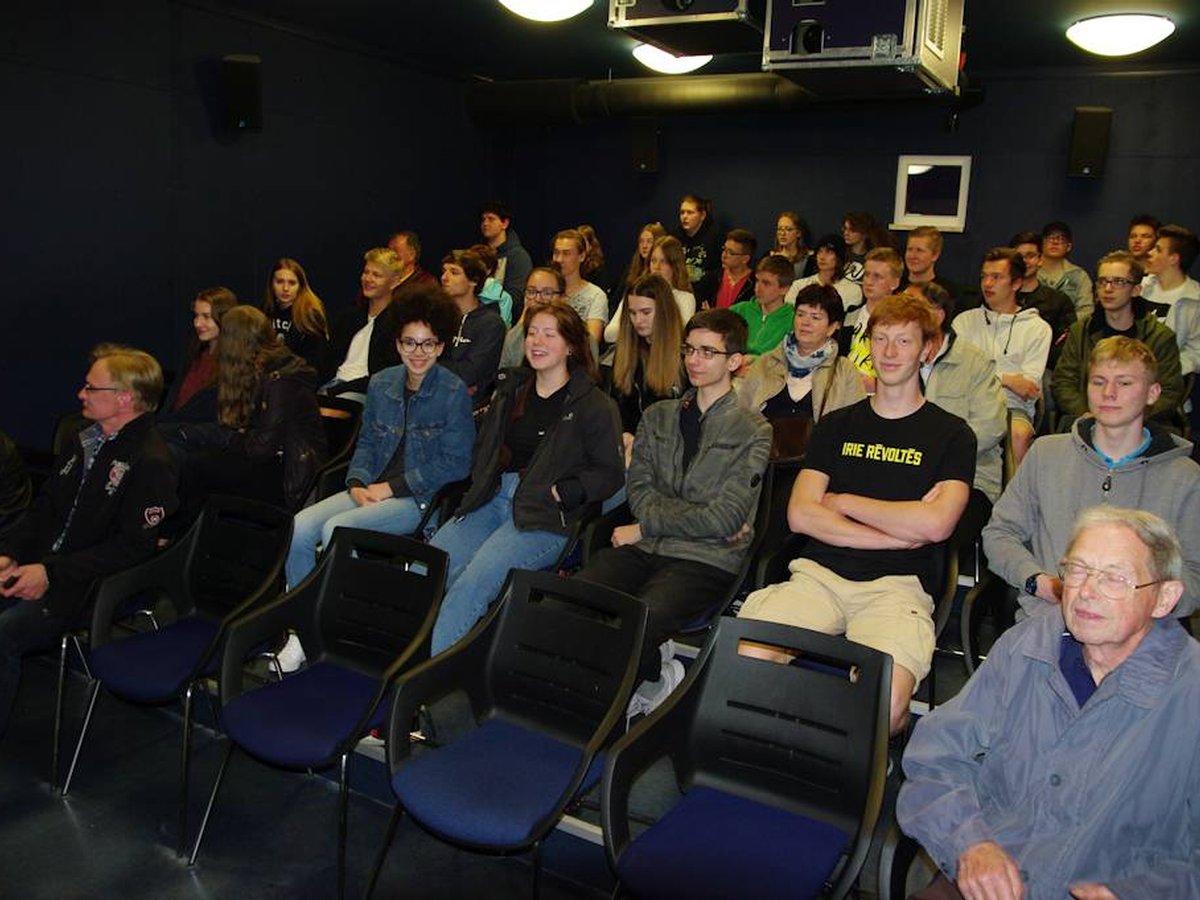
column 768, row 319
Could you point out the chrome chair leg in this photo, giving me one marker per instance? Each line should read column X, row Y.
column 388, row 837
column 212, row 798
column 58, row 710
column 185, row 762
column 537, row 870
column 343, row 811
column 87, row 720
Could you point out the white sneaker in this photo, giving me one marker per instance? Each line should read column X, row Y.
column 667, row 650
column 291, row 655
column 650, row 694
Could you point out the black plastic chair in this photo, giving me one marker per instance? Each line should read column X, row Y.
column 599, row 535
column 230, row 560
column 548, row 674
column 342, row 421
column 364, row 614
column 781, row 765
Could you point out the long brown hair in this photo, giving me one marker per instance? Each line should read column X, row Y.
column 672, row 250
column 308, row 312
column 659, row 357
column 248, row 347
column 220, row 300
column 639, row 267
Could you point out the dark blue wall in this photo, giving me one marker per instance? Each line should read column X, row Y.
column 824, row 162
column 122, row 195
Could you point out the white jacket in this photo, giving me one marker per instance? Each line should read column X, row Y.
column 1018, row 343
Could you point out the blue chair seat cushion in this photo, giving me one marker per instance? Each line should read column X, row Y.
column 306, row 719
column 499, row 787
column 155, row 666
column 718, row 845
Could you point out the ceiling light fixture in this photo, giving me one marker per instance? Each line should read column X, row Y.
column 1120, row 35
column 668, row 63
column 546, row 10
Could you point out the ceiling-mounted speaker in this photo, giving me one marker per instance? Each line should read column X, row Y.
column 1089, row 141
column 644, row 143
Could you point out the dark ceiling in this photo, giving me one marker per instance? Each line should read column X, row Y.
column 481, row 39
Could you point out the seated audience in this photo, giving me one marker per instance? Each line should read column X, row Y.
column 356, row 350
column 884, row 480
column 1174, row 296
column 585, row 298
column 803, row 377
column 594, row 268
column 736, row 282
column 1016, row 340
column 830, row 254
column 1052, row 305
column 97, row 513
column 766, row 316
column 548, row 450
column 1113, row 456
column 1143, row 232
column 475, row 350
column 693, row 490
column 961, row 380
column 882, row 270
column 416, row 436
column 512, row 259
column 493, row 291
column 922, row 250
column 646, row 367
column 407, row 247
column 544, row 285
column 638, row 267
column 1119, row 311
column 1068, row 765
column 862, row 234
column 792, row 237
column 701, row 244
column 268, row 441
column 1060, row 273
column 666, row 261
column 193, row 395
column 297, row 314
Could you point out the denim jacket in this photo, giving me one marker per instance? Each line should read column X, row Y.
column 437, row 440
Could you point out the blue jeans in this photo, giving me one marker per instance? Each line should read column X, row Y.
column 314, row 526
column 483, row 546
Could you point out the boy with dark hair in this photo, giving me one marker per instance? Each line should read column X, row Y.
column 1059, row 272
column 1053, row 305
column 512, row 260
column 1143, row 232
column 693, row 485
column 475, row 351
column 768, row 319
column 884, row 481
column 737, row 283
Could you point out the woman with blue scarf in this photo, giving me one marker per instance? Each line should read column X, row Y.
column 803, row 378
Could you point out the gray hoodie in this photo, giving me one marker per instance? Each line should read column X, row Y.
column 1063, row 474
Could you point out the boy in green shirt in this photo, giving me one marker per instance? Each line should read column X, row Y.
column 767, row 317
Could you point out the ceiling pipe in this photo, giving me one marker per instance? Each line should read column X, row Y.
column 576, row 101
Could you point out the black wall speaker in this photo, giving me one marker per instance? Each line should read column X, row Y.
column 1089, row 141
column 241, row 83
column 644, row 143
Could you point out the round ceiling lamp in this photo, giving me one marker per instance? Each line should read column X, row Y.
column 1120, row 35
column 667, row 63
column 546, row 10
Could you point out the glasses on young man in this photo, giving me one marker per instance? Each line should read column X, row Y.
column 92, row 388
column 1115, row 282
column 1110, row 584
column 688, row 351
column 541, row 293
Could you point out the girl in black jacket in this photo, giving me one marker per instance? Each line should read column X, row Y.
column 549, row 447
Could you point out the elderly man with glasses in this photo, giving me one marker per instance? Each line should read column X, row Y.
column 97, row 513
column 1069, row 766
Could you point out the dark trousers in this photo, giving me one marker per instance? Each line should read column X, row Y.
column 676, row 592
column 26, row 626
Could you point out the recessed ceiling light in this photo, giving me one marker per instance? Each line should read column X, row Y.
column 546, row 10
column 667, row 63
column 1120, row 35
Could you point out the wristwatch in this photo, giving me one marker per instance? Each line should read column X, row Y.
column 1031, row 584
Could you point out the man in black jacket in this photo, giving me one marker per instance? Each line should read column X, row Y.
column 98, row 512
